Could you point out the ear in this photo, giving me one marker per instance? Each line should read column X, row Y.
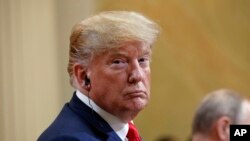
column 222, row 127
column 79, row 72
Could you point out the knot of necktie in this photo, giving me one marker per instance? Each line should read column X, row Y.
column 133, row 134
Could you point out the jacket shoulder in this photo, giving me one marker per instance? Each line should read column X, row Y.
column 72, row 137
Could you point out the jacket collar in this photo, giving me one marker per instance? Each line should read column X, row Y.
column 93, row 118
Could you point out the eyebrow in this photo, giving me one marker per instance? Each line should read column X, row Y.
column 117, row 52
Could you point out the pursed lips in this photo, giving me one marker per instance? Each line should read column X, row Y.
column 135, row 93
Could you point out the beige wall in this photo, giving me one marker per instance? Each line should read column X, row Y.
column 33, row 51
column 204, row 45
column 29, row 79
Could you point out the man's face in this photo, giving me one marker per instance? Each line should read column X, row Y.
column 120, row 79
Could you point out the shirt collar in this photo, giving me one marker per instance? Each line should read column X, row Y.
column 116, row 124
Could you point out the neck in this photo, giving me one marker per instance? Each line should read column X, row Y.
column 126, row 116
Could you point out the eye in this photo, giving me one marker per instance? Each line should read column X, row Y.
column 144, row 61
column 117, row 61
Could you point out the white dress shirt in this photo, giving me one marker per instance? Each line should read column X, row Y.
column 116, row 124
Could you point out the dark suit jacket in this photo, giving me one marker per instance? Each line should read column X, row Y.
column 78, row 122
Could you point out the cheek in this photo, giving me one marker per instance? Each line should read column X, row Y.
column 148, row 78
column 108, row 81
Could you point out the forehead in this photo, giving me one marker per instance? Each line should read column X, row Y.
column 138, row 48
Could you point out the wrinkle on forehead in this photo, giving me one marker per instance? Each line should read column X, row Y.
column 126, row 49
column 141, row 47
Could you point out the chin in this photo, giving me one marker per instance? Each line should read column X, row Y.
column 139, row 104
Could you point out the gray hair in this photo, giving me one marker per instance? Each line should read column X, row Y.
column 222, row 102
column 108, row 30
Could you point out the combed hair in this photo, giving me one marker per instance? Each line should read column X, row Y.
column 105, row 31
column 223, row 102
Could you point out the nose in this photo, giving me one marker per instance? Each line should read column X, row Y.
column 136, row 73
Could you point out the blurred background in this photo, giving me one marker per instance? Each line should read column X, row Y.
column 204, row 45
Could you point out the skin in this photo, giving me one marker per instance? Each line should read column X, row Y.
column 245, row 119
column 220, row 131
column 120, row 79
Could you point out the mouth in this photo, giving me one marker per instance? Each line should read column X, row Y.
column 135, row 94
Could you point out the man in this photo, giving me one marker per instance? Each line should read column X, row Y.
column 109, row 66
column 216, row 112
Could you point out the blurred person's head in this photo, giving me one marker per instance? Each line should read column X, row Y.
column 216, row 112
column 109, row 60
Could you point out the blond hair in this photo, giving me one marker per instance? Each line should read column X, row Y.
column 108, row 30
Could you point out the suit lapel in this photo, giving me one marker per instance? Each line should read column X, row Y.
column 93, row 118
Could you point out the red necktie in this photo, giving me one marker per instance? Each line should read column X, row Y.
column 133, row 134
